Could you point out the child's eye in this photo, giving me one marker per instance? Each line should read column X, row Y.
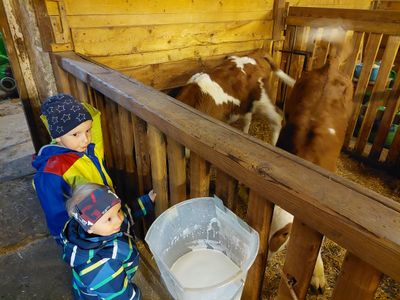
column 87, row 131
column 75, row 134
column 109, row 219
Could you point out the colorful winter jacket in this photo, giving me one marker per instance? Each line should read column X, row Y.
column 60, row 170
column 103, row 266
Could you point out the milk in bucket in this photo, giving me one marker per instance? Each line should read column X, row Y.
column 203, row 250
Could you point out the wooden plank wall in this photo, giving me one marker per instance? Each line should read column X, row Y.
column 361, row 4
column 160, row 43
column 374, row 37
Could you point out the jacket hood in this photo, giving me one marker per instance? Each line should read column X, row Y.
column 46, row 152
column 87, row 245
column 82, row 245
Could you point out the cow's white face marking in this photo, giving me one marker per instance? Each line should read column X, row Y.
column 241, row 61
column 332, row 131
column 213, row 89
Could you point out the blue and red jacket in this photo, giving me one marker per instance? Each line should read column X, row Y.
column 103, row 266
column 60, row 170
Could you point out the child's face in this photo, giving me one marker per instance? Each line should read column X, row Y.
column 78, row 138
column 109, row 223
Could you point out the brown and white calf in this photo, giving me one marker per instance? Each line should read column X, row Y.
column 316, row 117
column 235, row 90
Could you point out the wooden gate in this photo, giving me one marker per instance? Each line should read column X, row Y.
column 146, row 132
column 373, row 65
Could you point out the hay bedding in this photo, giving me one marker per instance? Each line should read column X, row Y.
column 333, row 254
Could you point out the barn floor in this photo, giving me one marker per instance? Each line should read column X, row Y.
column 31, row 264
column 332, row 254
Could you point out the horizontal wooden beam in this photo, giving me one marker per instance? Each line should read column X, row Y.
column 356, row 218
column 386, row 22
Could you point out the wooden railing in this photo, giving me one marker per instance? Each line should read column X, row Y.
column 145, row 133
column 374, row 36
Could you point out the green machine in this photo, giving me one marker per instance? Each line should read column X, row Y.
column 7, row 82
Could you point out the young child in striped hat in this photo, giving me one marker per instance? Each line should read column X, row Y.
column 98, row 243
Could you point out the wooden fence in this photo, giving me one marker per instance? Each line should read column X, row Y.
column 145, row 133
column 374, row 37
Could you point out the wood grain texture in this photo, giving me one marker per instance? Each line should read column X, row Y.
column 357, row 280
column 359, row 220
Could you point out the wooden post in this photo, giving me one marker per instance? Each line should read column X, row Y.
column 372, row 47
column 60, row 75
column 302, row 252
column 199, row 176
column 142, row 154
column 82, row 91
column 357, row 280
column 259, row 216
column 177, row 171
column 350, row 62
column 226, row 189
column 158, row 157
column 130, row 178
column 388, row 116
column 375, row 100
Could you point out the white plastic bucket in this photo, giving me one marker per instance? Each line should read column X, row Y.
column 198, row 224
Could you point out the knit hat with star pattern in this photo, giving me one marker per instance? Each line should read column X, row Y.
column 63, row 113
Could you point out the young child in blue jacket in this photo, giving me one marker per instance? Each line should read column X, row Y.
column 74, row 157
column 98, row 243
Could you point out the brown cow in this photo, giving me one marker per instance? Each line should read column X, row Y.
column 235, row 90
column 316, row 117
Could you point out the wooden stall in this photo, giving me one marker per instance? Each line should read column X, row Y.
column 116, row 55
column 156, row 128
column 373, row 65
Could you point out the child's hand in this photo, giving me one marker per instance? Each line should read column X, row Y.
column 152, row 195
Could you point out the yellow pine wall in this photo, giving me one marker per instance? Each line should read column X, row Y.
column 130, row 35
column 356, row 4
column 160, row 42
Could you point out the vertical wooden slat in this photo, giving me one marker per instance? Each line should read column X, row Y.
column 350, row 63
column 279, row 19
column 115, row 133
column 259, row 216
column 300, row 43
column 73, row 85
column 142, row 154
column 199, row 176
column 127, row 139
column 60, row 75
column 371, row 50
column 393, row 156
column 302, row 252
column 388, row 116
column 357, row 280
column 288, row 44
column 143, row 170
column 226, row 189
column 130, row 178
column 91, row 96
column 177, row 171
column 99, row 103
column 279, row 12
column 158, row 156
column 273, row 80
column 380, row 85
column 82, row 91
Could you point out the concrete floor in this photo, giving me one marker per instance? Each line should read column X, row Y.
column 31, row 265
